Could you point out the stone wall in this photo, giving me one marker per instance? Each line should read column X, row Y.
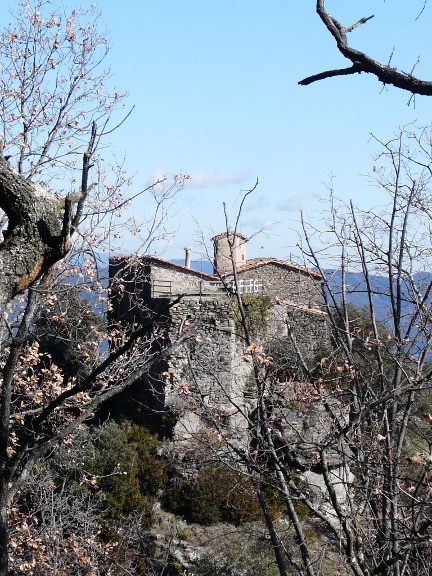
column 209, row 377
column 173, row 280
column 284, row 283
column 310, row 328
column 206, row 377
column 139, row 287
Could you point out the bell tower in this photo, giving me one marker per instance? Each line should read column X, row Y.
column 223, row 262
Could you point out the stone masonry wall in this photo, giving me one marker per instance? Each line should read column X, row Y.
column 179, row 281
column 212, row 362
column 310, row 328
column 280, row 282
column 211, row 365
column 206, row 377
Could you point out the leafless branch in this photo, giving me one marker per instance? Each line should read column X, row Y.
column 361, row 62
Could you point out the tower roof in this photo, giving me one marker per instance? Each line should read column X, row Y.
column 227, row 234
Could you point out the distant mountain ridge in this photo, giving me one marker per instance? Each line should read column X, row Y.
column 357, row 293
column 200, row 265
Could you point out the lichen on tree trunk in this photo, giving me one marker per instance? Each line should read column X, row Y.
column 37, row 235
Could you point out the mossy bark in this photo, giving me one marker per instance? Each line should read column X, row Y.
column 36, row 236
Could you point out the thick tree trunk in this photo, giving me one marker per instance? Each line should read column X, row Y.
column 35, row 238
column 4, row 535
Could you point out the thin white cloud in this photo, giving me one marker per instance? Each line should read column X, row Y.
column 255, row 204
column 216, row 179
column 256, row 223
column 294, row 203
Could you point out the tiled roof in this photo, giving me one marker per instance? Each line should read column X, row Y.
column 224, row 235
column 248, row 265
column 257, row 262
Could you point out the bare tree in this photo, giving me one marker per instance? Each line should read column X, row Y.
column 361, row 62
column 385, row 520
column 344, row 438
column 64, row 205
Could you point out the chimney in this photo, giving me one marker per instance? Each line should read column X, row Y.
column 188, row 257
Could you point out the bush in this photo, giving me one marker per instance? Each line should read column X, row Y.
column 128, row 470
column 102, row 486
column 219, row 494
column 257, row 309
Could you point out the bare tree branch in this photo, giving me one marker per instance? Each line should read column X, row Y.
column 361, row 62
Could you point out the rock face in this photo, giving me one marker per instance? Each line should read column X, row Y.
column 304, row 424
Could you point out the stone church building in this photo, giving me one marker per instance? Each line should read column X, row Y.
column 211, row 365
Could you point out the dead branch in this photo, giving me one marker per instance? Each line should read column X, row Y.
column 361, row 62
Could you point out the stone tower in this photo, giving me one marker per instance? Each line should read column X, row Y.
column 223, row 263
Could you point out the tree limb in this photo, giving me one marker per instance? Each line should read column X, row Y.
column 354, row 69
column 35, row 237
column 362, row 62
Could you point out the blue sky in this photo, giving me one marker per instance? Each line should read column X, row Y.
column 214, row 85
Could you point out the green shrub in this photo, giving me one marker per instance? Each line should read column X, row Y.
column 177, row 569
column 257, row 309
column 177, row 499
column 128, row 470
column 181, row 535
column 219, row 494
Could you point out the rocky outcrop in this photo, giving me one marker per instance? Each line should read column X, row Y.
column 305, row 423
